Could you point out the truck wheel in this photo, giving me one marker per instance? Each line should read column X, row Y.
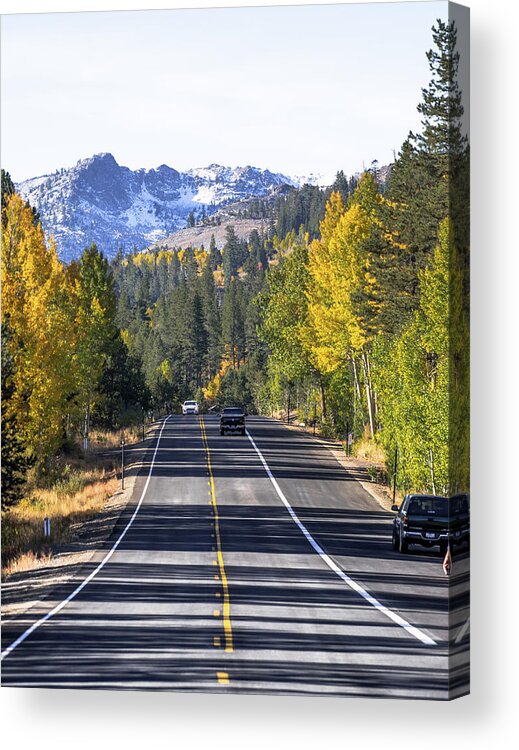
column 243, row 432
column 394, row 541
column 222, row 432
column 403, row 544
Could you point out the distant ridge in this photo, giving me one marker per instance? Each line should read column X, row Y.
column 100, row 201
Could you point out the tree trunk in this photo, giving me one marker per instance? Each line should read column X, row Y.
column 356, row 379
column 368, row 394
column 372, row 390
column 323, row 399
column 431, row 467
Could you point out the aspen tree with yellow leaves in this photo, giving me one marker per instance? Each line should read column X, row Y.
column 343, row 290
column 58, row 332
column 36, row 309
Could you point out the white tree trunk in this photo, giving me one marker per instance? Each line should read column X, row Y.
column 431, row 467
column 368, row 394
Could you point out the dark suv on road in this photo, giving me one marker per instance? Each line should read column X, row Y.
column 430, row 520
column 232, row 419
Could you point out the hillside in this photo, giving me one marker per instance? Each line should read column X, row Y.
column 201, row 235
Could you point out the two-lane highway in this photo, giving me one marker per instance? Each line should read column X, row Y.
column 247, row 564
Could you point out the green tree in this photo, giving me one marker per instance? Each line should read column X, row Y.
column 215, row 256
column 414, row 382
column 284, row 311
column 7, row 189
column 429, row 180
column 14, row 450
column 199, row 336
column 231, row 255
column 96, row 333
column 233, row 323
column 121, row 388
column 212, row 324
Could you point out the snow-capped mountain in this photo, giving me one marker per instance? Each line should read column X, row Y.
column 100, row 201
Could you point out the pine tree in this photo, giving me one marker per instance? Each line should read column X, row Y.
column 231, row 255
column 341, row 186
column 121, row 386
column 211, row 321
column 199, row 337
column 95, row 308
column 7, row 189
column 174, row 272
column 14, row 462
column 429, row 179
column 190, row 266
column 233, row 323
column 215, row 256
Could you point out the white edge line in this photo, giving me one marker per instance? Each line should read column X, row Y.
column 411, row 629
column 462, row 630
column 101, row 565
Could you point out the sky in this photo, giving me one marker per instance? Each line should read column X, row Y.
column 296, row 89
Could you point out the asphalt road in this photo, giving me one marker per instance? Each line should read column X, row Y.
column 225, row 580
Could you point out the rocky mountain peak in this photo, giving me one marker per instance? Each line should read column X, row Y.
column 100, row 201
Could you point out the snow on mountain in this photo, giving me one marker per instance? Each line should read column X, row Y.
column 116, row 207
column 317, row 180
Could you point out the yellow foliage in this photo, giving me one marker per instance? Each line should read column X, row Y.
column 340, row 270
column 213, row 388
column 165, row 370
column 127, row 338
column 36, row 299
column 201, row 258
column 138, row 260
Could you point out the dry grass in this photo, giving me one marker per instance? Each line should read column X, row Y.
column 369, row 450
column 27, row 561
column 77, row 496
column 106, row 439
column 72, row 491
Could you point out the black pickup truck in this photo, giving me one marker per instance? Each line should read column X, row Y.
column 232, row 419
column 429, row 520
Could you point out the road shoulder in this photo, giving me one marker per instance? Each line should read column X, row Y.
column 356, row 467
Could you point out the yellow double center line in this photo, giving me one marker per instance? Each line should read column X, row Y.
column 227, row 628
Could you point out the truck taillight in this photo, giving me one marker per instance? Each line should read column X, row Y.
column 404, row 520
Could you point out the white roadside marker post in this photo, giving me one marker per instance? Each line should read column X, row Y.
column 122, row 463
